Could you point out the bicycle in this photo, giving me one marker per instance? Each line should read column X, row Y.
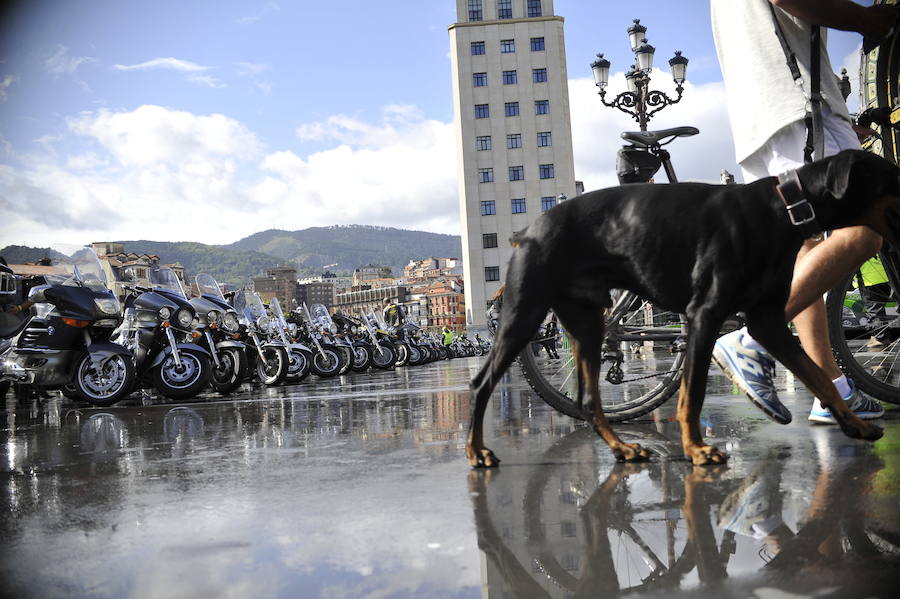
column 639, row 379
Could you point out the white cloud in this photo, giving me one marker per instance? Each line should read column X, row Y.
column 158, row 173
column 164, row 174
column 63, row 64
column 254, row 72
column 174, row 64
column 5, row 84
column 194, row 73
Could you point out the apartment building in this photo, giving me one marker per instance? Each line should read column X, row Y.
column 513, row 131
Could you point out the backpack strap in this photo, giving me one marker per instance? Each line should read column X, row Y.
column 815, row 140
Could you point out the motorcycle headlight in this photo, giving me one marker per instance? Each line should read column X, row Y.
column 165, row 313
column 184, row 318
column 212, row 317
column 230, row 322
column 107, row 305
column 263, row 324
column 292, row 329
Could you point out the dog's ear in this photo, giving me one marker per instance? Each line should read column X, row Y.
column 837, row 176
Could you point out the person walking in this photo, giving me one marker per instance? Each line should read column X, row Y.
column 768, row 108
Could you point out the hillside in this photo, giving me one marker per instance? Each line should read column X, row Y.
column 351, row 246
column 340, row 248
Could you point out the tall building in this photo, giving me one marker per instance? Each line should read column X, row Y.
column 514, row 133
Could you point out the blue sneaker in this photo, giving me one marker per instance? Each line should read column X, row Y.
column 752, row 371
column 859, row 403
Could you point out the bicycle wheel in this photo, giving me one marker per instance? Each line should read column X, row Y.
column 864, row 326
column 650, row 346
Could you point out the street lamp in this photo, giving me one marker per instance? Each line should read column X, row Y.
column 640, row 101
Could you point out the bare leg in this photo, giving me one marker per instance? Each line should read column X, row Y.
column 819, row 266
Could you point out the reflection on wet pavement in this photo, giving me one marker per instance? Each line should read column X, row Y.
column 359, row 487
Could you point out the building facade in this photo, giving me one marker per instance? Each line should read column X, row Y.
column 513, row 131
column 446, row 304
column 364, row 299
column 280, row 282
column 316, row 293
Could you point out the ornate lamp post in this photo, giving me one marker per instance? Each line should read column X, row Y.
column 640, row 101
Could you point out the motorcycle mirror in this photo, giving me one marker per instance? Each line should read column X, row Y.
column 128, row 275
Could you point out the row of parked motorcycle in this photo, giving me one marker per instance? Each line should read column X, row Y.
column 74, row 335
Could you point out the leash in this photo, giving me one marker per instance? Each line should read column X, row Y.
column 799, row 210
column 815, row 141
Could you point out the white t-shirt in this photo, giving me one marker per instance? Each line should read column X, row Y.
column 762, row 95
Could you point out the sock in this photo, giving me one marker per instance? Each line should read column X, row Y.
column 751, row 343
column 842, row 385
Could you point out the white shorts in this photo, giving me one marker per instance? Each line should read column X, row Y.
column 784, row 150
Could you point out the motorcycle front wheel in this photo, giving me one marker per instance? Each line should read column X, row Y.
column 362, row 358
column 385, row 358
column 327, row 363
column 272, row 367
column 107, row 384
column 299, row 365
column 231, row 371
column 185, row 381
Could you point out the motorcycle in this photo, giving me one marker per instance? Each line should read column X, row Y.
column 352, row 330
column 384, row 352
column 159, row 329
column 299, row 356
column 268, row 358
column 327, row 359
column 219, row 323
column 65, row 340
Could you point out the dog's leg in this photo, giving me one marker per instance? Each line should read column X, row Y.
column 586, row 327
column 516, row 329
column 767, row 326
column 702, row 331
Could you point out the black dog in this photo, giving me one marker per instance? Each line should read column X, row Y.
column 706, row 251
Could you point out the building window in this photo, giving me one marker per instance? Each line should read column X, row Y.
column 507, row 46
column 479, row 79
column 478, row 48
column 483, row 142
column 482, row 111
column 542, row 107
column 547, row 203
column 518, row 206
column 539, row 75
column 544, row 139
column 491, row 273
column 513, row 141
column 534, row 8
column 475, row 12
column 488, row 208
column 546, row 171
column 511, row 108
column 486, row 175
column 516, row 173
column 510, row 78
column 504, row 9
column 537, row 44
column 488, row 240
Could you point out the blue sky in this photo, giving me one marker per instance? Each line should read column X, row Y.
column 211, row 120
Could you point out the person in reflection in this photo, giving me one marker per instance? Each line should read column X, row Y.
column 755, row 508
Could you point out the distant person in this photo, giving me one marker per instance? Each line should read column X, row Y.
column 393, row 313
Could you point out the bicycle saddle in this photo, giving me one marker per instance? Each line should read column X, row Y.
column 652, row 138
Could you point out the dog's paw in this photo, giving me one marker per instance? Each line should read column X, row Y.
column 704, row 455
column 631, row 452
column 860, row 429
column 482, row 458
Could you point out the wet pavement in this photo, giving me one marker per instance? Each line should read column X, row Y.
column 358, row 487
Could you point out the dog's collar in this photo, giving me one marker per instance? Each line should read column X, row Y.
column 799, row 210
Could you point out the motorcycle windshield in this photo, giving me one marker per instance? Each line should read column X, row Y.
column 322, row 318
column 165, row 279
column 207, row 285
column 76, row 265
column 249, row 304
column 276, row 310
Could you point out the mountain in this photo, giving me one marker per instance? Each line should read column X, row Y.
column 340, row 248
column 350, row 246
